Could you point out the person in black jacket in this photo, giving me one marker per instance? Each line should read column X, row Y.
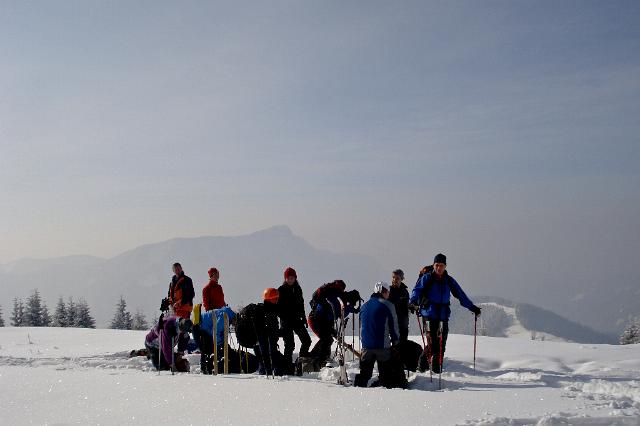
column 268, row 332
column 180, row 295
column 292, row 316
column 399, row 296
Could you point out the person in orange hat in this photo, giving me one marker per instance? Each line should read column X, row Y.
column 212, row 293
column 293, row 317
column 269, row 357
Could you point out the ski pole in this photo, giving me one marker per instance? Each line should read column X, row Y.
column 159, row 349
column 475, row 333
column 440, row 333
column 173, row 361
column 225, row 351
column 427, row 326
column 353, row 336
column 214, row 330
column 426, row 347
column 359, row 337
column 270, row 359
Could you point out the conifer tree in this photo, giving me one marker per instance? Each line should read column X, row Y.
column 17, row 315
column 139, row 321
column 122, row 318
column 83, row 315
column 33, row 312
column 631, row 334
column 60, row 314
column 71, row 313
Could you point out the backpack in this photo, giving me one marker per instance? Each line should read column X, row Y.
column 335, row 288
column 249, row 321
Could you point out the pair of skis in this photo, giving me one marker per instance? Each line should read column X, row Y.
column 342, row 346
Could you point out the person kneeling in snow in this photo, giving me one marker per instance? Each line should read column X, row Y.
column 161, row 340
column 203, row 335
column 380, row 335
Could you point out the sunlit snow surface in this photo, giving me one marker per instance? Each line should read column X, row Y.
column 73, row 376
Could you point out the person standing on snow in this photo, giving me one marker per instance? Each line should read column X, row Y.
column 293, row 318
column 268, row 333
column 212, row 293
column 380, row 336
column 432, row 295
column 181, row 293
column 399, row 296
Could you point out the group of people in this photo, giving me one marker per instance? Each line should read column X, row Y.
column 384, row 325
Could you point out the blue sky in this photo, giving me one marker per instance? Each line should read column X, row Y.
column 493, row 131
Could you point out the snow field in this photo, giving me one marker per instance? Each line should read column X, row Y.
column 75, row 376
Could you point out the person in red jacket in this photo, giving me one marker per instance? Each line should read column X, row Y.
column 212, row 294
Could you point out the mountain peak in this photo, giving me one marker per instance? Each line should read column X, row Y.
column 277, row 230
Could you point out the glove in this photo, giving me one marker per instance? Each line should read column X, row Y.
column 412, row 308
column 476, row 310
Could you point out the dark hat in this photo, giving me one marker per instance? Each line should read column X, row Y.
column 290, row 272
column 212, row 271
column 440, row 258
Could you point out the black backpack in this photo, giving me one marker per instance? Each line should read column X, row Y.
column 249, row 322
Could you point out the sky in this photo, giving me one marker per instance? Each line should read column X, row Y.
column 505, row 134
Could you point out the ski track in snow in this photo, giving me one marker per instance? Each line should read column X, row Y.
column 71, row 376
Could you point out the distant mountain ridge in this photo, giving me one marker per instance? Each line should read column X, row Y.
column 248, row 264
column 504, row 318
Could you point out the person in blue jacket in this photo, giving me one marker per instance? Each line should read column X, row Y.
column 203, row 333
column 432, row 296
column 380, row 336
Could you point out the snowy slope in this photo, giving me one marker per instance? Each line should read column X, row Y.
column 517, row 330
column 62, row 376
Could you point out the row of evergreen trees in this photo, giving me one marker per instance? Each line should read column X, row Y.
column 35, row 313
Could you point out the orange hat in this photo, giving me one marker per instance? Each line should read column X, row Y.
column 270, row 295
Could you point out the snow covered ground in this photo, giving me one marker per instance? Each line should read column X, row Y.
column 76, row 376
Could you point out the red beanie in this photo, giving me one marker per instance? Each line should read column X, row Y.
column 212, row 271
column 290, row 272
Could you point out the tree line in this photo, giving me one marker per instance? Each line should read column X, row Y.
column 34, row 313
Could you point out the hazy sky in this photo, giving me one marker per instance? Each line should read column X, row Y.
column 506, row 134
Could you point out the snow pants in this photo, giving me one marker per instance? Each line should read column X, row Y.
column 288, row 330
